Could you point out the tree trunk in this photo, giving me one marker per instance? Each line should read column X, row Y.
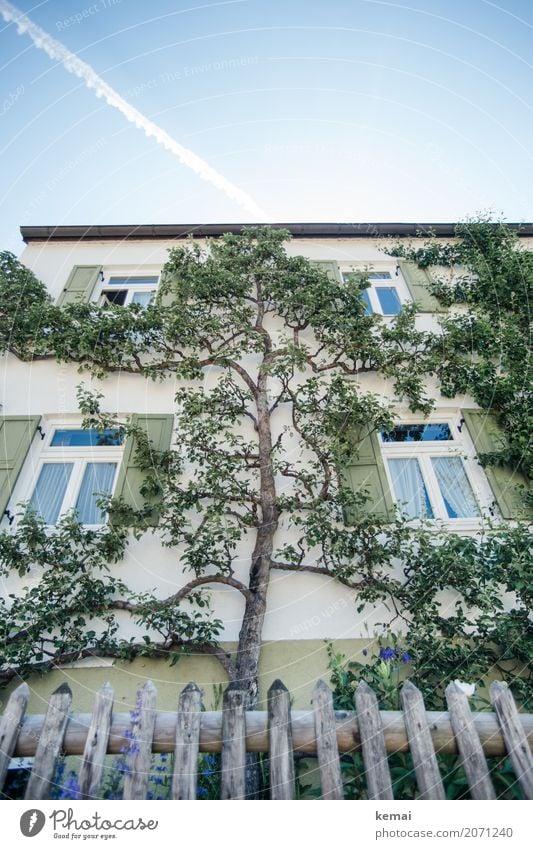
column 252, row 626
column 249, row 648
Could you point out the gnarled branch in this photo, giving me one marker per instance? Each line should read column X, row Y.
column 318, row 570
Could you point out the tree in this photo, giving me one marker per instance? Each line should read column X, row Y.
column 485, row 349
column 271, row 356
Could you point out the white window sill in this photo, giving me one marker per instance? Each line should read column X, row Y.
column 457, row 525
column 49, row 529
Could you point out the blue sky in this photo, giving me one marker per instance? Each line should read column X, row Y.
column 350, row 110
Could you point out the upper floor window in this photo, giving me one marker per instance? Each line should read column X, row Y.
column 76, row 468
column 125, row 290
column 385, row 294
column 427, row 473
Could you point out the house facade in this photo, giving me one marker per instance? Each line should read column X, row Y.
column 426, row 466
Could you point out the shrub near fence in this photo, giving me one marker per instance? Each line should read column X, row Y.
column 279, row 732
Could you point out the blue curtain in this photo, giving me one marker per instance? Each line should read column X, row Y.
column 97, row 481
column 50, row 491
column 389, row 300
column 455, row 489
column 410, row 489
column 142, row 298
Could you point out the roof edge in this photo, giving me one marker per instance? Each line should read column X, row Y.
column 82, row 233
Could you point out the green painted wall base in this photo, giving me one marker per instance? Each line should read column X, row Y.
column 298, row 663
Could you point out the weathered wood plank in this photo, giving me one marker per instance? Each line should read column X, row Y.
column 49, row 744
column 281, row 758
column 420, row 744
column 184, row 778
column 326, row 742
column 92, row 766
column 10, row 725
column 513, row 734
column 377, row 771
column 233, row 745
column 303, row 732
column 138, row 758
column 468, row 743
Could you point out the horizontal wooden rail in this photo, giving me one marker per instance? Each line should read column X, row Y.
column 303, row 732
column 321, row 731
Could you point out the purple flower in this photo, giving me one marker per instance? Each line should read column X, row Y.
column 59, row 774
column 71, row 790
column 387, row 653
column 406, row 657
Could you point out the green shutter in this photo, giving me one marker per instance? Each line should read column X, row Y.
column 418, row 282
column 488, row 437
column 16, row 434
column 331, row 268
column 167, row 298
column 365, row 472
column 80, row 285
column 158, row 428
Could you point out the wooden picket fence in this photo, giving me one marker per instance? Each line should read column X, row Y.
column 320, row 732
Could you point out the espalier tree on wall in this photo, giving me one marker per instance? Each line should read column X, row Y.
column 273, row 426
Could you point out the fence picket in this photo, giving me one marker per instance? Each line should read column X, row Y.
column 326, row 742
column 49, row 744
column 187, row 743
column 377, row 771
column 468, row 743
column 280, row 748
column 139, row 757
column 420, row 743
column 92, row 767
column 513, row 734
column 233, row 745
column 10, row 724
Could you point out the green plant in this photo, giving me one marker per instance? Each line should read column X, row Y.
column 383, row 672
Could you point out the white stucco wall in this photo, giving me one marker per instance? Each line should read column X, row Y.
column 300, row 606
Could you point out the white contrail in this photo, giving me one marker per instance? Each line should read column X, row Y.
column 74, row 65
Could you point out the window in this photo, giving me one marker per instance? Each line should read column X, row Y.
column 125, row 290
column 385, row 294
column 76, row 468
column 427, row 473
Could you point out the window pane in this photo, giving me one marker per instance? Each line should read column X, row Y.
column 389, row 300
column 455, row 488
column 142, row 298
column 76, row 437
column 379, row 275
column 439, row 432
column 133, row 281
column 50, row 491
column 97, row 480
column 117, row 297
column 410, row 489
column 366, row 299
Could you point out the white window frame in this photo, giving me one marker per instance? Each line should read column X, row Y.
column 396, row 282
column 123, row 271
column 42, row 452
column 459, row 446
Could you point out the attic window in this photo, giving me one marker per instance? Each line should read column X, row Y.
column 125, row 290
